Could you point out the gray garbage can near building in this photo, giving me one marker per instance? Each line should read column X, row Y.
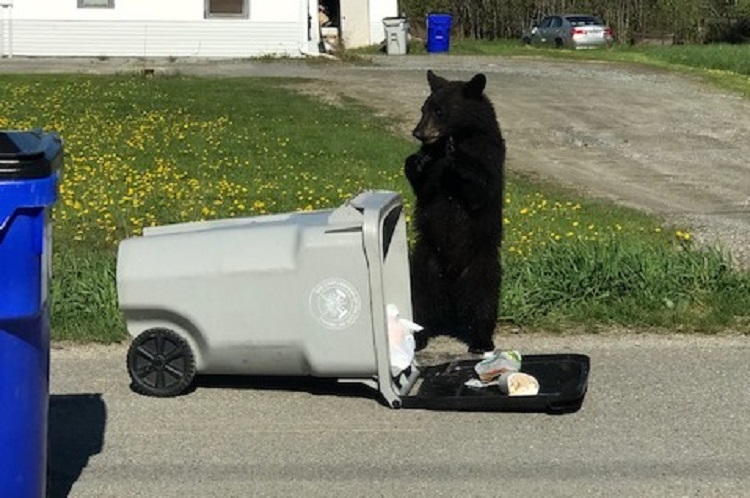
column 396, row 35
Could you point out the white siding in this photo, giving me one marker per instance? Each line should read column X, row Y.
column 154, row 39
column 150, row 10
column 156, row 28
column 6, row 35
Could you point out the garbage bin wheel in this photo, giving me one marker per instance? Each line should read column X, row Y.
column 160, row 363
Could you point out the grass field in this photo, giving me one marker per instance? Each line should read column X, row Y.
column 143, row 152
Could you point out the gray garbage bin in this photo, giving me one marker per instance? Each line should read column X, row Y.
column 396, row 35
column 291, row 294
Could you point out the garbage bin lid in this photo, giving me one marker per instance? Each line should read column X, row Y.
column 395, row 22
column 27, row 155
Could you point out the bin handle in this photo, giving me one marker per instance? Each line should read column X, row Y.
column 374, row 205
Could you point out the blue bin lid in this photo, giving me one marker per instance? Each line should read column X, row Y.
column 26, row 155
column 439, row 16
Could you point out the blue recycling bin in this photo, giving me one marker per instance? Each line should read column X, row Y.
column 438, row 32
column 30, row 163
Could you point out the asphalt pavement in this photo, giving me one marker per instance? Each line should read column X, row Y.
column 663, row 416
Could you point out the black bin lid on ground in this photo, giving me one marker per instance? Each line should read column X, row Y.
column 563, row 381
column 25, row 155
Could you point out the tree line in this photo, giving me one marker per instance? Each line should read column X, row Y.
column 633, row 21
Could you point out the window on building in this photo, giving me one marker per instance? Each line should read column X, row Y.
column 228, row 8
column 96, row 4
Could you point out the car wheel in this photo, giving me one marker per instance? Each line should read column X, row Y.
column 558, row 43
column 160, row 363
column 526, row 40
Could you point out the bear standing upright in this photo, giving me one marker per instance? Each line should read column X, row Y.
column 457, row 178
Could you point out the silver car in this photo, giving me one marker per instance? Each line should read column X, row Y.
column 570, row 30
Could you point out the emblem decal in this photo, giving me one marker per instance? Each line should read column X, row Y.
column 335, row 303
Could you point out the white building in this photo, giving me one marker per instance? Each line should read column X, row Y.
column 184, row 28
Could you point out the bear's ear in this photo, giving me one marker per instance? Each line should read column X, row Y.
column 475, row 87
column 436, row 82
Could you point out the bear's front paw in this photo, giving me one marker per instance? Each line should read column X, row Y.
column 416, row 163
column 479, row 347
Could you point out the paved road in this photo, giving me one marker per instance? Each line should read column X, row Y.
column 664, row 416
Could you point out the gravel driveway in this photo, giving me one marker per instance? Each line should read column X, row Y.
column 645, row 138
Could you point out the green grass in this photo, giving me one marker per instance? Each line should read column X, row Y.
column 84, row 295
column 634, row 284
column 143, row 152
column 582, row 263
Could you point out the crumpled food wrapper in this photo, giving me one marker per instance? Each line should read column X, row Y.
column 499, row 363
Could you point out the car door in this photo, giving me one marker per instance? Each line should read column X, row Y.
column 538, row 34
column 555, row 31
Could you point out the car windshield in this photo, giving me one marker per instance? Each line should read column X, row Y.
column 583, row 21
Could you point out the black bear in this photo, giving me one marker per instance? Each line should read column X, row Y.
column 457, row 178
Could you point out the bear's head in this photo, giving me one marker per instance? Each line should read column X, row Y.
column 452, row 108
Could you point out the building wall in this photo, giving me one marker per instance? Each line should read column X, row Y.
column 355, row 20
column 380, row 9
column 152, row 28
column 150, row 10
column 160, row 28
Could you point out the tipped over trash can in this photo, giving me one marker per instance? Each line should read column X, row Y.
column 291, row 294
column 396, row 35
column 30, row 164
column 438, row 32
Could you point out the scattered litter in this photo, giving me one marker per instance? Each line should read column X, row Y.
column 401, row 343
column 476, row 383
column 497, row 364
column 518, row 384
column 502, row 369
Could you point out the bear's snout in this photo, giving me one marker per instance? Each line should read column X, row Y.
column 426, row 133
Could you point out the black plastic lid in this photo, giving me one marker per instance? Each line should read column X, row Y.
column 25, row 155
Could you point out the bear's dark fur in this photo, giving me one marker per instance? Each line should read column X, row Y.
column 457, row 178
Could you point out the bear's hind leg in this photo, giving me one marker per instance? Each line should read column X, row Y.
column 430, row 297
column 477, row 293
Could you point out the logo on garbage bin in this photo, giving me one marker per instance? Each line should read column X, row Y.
column 335, row 303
